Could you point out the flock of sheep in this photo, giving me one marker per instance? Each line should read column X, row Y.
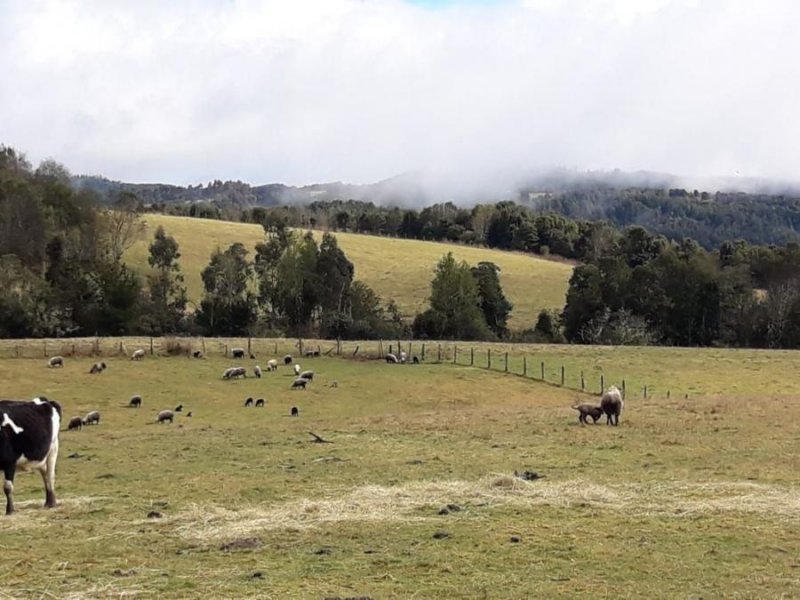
column 302, row 379
column 611, row 402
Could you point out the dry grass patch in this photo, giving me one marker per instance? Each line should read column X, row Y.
column 405, row 503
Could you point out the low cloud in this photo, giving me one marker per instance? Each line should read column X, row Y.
column 359, row 91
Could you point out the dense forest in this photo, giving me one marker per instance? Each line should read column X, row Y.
column 674, row 212
column 62, row 273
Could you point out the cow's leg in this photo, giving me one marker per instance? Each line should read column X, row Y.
column 48, row 472
column 8, row 487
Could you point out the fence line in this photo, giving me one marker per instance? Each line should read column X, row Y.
column 515, row 362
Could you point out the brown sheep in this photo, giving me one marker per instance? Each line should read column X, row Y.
column 588, row 410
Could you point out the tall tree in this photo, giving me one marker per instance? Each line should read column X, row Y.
column 166, row 285
column 455, row 304
column 228, row 306
column 494, row 305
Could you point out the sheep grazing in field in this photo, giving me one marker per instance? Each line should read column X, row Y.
column 237, row 352
column 612, row 405
column 234, row 372
column 287, row 360
column 92, row 418
column 179, row 408
column 189, row 414
column 391, row 359
column 272, row 365
column 297, row 370
column 137, row 354
column 295, row 412
column 164, row 416
column 135, row 401
column 299, row 383
column 260, row 403
column 307, row 375
column 197, row 354
column 403, row 356
column 75, row 423
column 248, row 402
column 588, row 410
column 257, row 371
column 55, row 361
column 415, row 360
column 97, row 368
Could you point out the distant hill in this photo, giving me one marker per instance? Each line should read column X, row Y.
column 758, row 211
column 395, row 268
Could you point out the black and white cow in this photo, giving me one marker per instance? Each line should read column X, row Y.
column 29, row 440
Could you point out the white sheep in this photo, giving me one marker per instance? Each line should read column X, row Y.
column 297, row 369
column 138, row 354
column 612, row 404
column 257, row 371
column 272, row 365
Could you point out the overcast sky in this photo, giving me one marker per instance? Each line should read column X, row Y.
column 306, row 91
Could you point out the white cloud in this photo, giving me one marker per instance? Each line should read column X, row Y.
column 315, row 90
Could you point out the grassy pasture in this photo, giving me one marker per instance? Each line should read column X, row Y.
column 686, row 499
column 395, row 268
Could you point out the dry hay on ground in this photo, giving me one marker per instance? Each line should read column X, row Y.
column 374, row 503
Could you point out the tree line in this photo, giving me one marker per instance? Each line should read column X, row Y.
column 62, row 273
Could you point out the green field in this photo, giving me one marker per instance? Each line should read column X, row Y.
column 395, row 268
column 690, row 497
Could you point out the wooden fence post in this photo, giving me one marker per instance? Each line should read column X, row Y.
column 423, row 351
column 583, row 382
column 203, row 342
column 338, row 346
column 506, row 367
column 623, row 389
column 524, row 366
column 602, row 384
column 45, row 348
column 472, row 357
column 488, row 358
column 645, row 392
column 440, row 353
column 249, row 346
column 562, row 375
column 151, row 345
column 667, row 394
column 356, row 350
column 455, row 353
column 542, row 365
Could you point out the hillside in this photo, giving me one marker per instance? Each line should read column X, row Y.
column 394, row 268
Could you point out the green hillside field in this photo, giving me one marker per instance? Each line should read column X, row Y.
column 395, row 268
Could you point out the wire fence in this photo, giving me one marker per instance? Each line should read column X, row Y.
column 536, row 362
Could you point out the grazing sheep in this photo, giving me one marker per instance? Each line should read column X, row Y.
column 92, row 418
column 391, row 359
column 588, row 410
column 237, row 352
column 164, row 416
column 233, row 372
column 189, row 414
column 295, row 412
column 297, row 370
column 260, row 402
column 403, row 356
column 137, row 354
column 287, row 360
column 97, row 368
column 179, row 408
column 334, row 384
column 307, row 375
column 135, row 401
column 55, row 361
column 257, row 371
column 612, row 404
column 415, row 360
column 299, row 383
column 75, row 423
column 248, row 402
column 252, row 356
column 197, row 354
column 272, row 365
